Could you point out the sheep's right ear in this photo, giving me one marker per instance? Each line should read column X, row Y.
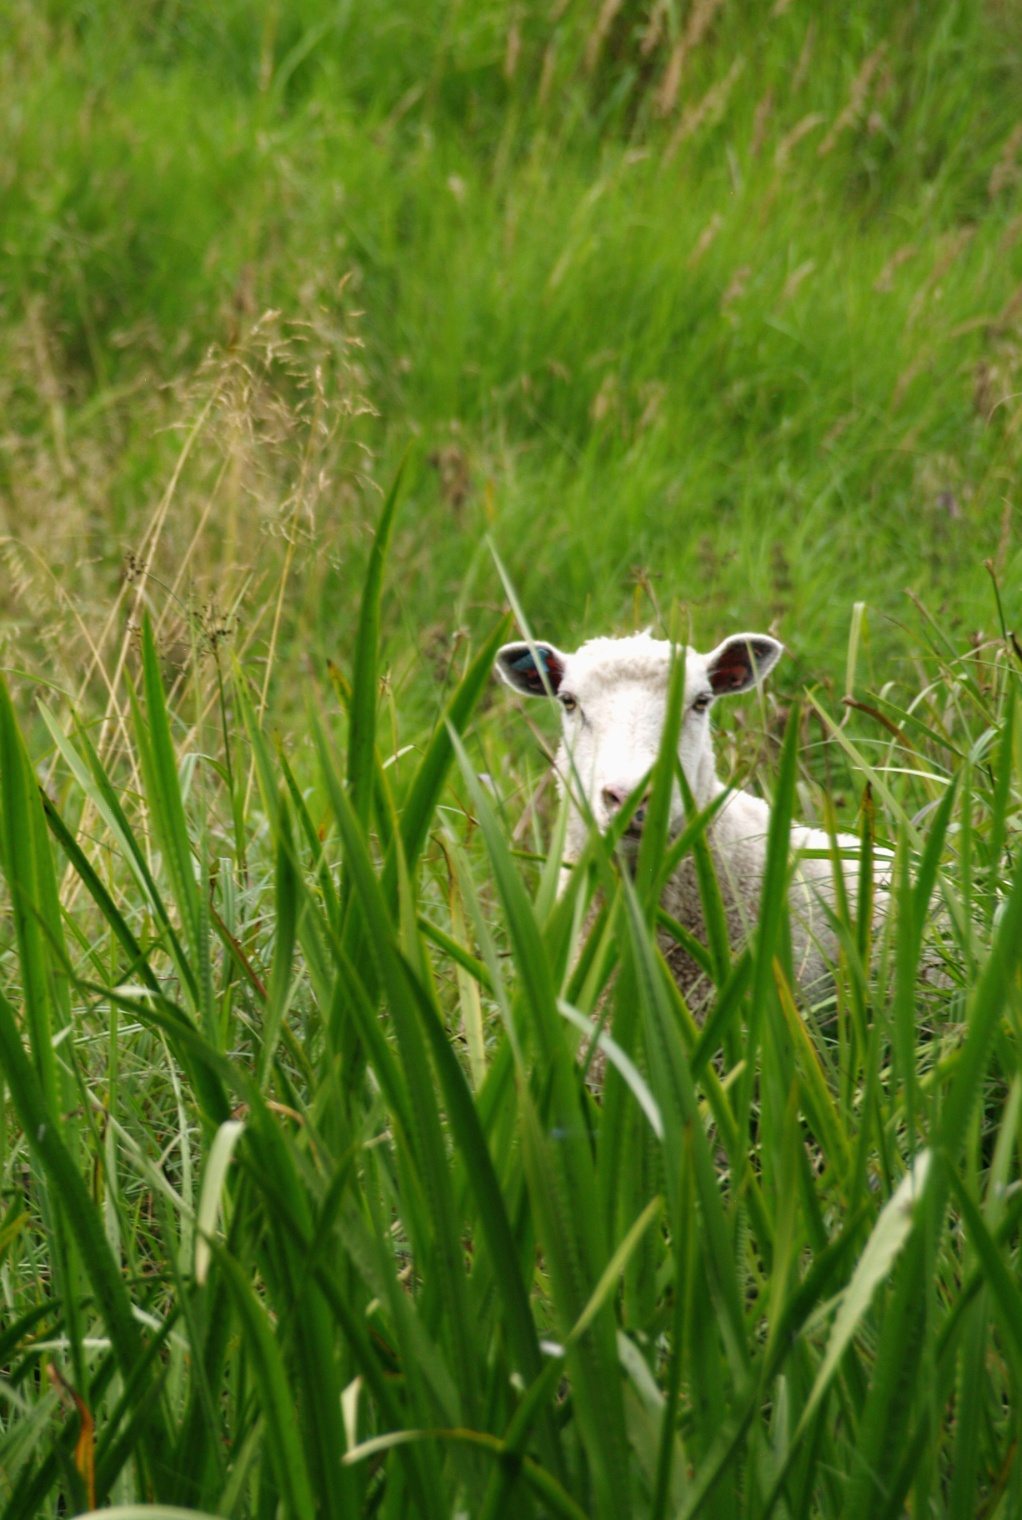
column 741, row 662
column 516, row 664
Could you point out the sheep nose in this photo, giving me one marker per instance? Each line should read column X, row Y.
column 615, row 797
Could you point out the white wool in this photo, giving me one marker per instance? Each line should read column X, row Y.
column 617, row 692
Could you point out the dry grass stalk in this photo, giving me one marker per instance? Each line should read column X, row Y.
column 852, row 113
column 1011, row 235
column 49, row 386
column 735, row 289
column 884, row 281
column 670, row 85
column 705, row 239
column 513, row 50
column 760, row 121
column 805, row 56
column 546, row 78
column 654, row 33
column 910, row 373
column 791, row 140
column 796, row 278
column 709, row 108
column 598, row 36
column 696, row 27
column 949, row 249
column 1007, row 171
column 229, row 499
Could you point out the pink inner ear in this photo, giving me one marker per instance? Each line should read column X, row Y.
column 526, row 670
column 555, row 670
column 732, row 670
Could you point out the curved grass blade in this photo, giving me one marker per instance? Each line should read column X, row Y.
column 96, row 784
column 420, row 802
column 281, row 1426
column 166, row 808
column 775, row 1077
column 1001, row 1282
column 217, row 1162
column 138, row 962
column 658, row 814
column 364, row 686
column 629, row 1071
column 285, row 896
column 28, row 866
column 985, row 1009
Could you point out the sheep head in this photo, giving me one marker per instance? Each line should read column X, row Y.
column 613, row 698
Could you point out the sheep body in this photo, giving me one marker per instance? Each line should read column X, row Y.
column 613, row 693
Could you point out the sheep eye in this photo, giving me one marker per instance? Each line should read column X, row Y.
column 701, row 703
column 568, row 702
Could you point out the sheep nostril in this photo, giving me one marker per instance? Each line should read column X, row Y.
column 639, row 816
column 613, row 797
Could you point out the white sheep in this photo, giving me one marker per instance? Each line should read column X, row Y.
column 613, row 697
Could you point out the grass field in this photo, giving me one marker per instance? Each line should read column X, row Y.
column 317, row 320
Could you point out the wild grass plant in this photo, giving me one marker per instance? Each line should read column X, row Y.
column 310, row 1210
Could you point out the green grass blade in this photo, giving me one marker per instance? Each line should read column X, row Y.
column 714, row 915
column 138, row 963
column 27, row 863
column 658, row 812
column 362, row 722
column 285, row 1448
column 286, row 896
column 424, row 791
column 219, row 1159
column 674, row 1090
column 97, row 785
column 775, row 1075
column 43, row 1129
column 156, row 750
column 1001, row 1281
column 886, row 1241
column 986, row 1006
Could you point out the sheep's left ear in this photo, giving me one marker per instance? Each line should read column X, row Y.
column 741, row 662
column 516, row 664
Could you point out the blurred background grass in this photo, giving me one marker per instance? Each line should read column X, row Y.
column 714, row 301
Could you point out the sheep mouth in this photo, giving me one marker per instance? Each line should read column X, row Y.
column 631, row 838
column 629, row 842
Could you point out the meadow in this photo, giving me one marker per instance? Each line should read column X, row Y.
column 338, row 342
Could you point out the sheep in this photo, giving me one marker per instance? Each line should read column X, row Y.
column 613, row 698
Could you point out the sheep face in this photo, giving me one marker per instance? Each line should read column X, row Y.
column 613, row 697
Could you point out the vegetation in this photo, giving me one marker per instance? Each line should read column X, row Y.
column 702, row 315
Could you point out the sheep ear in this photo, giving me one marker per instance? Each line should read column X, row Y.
column 741, row 662
column 516, row 664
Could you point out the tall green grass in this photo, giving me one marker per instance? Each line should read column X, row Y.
column 753, row 340
column 309, row 1209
